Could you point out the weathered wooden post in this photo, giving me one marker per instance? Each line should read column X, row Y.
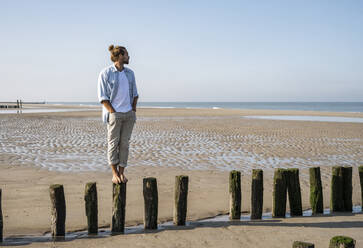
column 342, row 242
column 360, row 170
column 1, row 221
column 316, row 191
column 180, row 200
column 347, row 189
column 91, row 205
column 299, row 244
column 257, row 194
column 150, row 191
column 58, row 212
column 279, row 194
column 336, row 199
column 118, row 207
column 294, row 190
column 235, row 195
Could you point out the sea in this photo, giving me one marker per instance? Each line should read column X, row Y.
column 353, row 107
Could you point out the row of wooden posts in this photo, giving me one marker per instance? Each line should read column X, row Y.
column 285, row 182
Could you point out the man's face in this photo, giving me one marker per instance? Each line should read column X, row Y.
column 124, row 59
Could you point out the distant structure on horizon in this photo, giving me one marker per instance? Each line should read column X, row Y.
column 18, row 104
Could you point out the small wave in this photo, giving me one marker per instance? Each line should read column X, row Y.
column 90, row 105
column 157, row 107
column 216, row 108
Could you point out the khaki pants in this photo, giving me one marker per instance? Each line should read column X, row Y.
column 119, row 129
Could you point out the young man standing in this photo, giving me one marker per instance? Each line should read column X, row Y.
column 117, row 93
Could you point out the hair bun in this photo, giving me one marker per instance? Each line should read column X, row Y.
column 110, row 48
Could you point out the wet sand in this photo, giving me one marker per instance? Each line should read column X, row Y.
column 275, row 233
column 39, row 149
column 194, row 139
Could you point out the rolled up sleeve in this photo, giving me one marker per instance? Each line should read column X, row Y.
column 135, row 93
column 102, row 89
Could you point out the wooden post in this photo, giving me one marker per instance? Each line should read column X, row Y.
column 316, row 191
column 336, row 199
column 58, row 212
column 294, row 190
column 347, row 189
column 90, row 198
column 118, row 208
column 299, row 244
column 257, row 194
column 342, row 242
column 180, row 200
column 279, row 194
column 1, row 221
column 150, row 190
column 360, row 170
column 235, row 195
column 17, row 103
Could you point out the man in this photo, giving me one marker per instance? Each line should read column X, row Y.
column 117, row 93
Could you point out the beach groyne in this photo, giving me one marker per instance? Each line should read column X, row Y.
column 17, row 105
column 286, row 178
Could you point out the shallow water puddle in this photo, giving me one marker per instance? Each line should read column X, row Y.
column 307, row 118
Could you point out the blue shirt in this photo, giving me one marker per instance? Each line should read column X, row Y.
column 108, row 85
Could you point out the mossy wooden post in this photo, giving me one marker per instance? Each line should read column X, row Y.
column 58, row 212
column 347, row 189
column 279, row 194
column 336, row 198
column 150, row 190
column 299, row 244
column 360, row 170
column 90, row 198
column 316, row 191
column 294, row 191
column 342, row 242
column 235, row 195
column 257, row 194
column 180, row 200
column 1, row 221
column 118, row 207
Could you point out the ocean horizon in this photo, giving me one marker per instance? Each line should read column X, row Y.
column 354, row 107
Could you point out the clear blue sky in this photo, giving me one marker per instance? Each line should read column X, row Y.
column 185, row 50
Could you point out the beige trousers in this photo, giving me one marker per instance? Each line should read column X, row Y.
column 119, row 129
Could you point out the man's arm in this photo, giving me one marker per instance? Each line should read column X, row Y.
column 134, row 103
column 108, row 106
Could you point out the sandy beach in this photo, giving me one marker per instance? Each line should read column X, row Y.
column 69, row 148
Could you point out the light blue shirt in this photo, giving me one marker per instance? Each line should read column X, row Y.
column 108, row 85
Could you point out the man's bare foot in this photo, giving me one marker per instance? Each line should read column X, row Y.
column 116, row 179
column 121, row 174
column 123, row 178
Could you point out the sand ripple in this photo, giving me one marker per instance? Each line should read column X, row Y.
column 191, row 143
